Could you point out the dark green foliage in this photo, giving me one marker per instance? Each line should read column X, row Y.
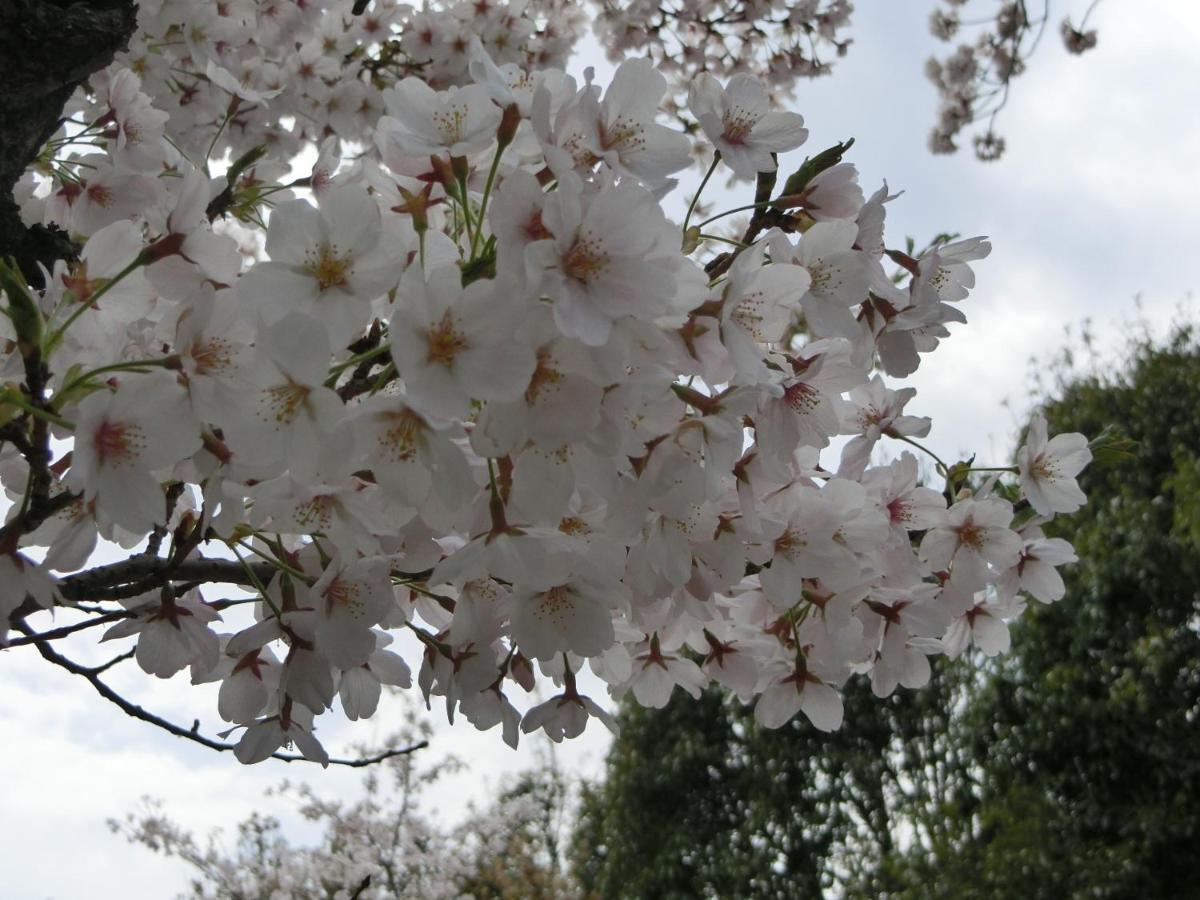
column 1068, row 769
column 1092, row 777
column 700, row 802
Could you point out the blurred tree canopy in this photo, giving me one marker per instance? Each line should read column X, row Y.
column 1068, row 768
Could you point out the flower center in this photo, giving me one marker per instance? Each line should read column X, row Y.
column 749, row 314
column 970, row 535
column 1042, row 469
column 556, row 603
column 801, row 397
column 621, row 134
column 444, row 341
column 285, row 401
column 99, row 194
column 545, row 377
column 316, row 515
column 400, row 439
column 738, row 125
column 213, row 356
column 329, row 269
column 574, row 525
column 117, row 443
column 344, row 594
column 586, row 259
column 449, row 124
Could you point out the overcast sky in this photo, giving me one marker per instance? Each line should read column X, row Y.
column 1093, row 204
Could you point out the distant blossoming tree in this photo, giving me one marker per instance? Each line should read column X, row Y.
column 383, row 843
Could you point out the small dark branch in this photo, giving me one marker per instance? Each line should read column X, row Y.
column 55, row 634
column 362, row 886
column 227, row 602
column 361, row 761
column 764, row 217
column 93, row 609
column 154, row 543
column 14, row 434
column 357, row 386
column 120, row 658
column 92, row 674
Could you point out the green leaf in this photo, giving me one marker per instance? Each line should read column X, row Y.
column 1112, row 445
column 794, row 187
column 23, row 308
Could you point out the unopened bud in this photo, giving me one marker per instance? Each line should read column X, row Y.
column 510, row 121
column 443, row 173
column 23, row 308
column 522, row 671
column 168, row 245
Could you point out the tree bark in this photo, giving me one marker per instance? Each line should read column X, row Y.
column 47, row 49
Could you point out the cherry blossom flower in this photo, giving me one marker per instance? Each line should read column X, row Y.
column 328, row 263
column 21, row 578
column 566, row 716
column 618, row 130
column 460, row 121
column 758, row 304
column 656, row 674
column 452, row 344
column 1036, row 571
column 839, row 275
column 974, row 535
column 739, row 122
column 799, row 690
column 611, row 257
column 123, row 438
column 875, row 410
column 360, row 688
column 984, row 626
column 570, row 617
column 248, row 687
column 269, row 735
column 172, row 634
column 139, row 144
column 350, row 598
column 1048, row 468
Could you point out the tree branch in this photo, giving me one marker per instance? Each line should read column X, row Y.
column 144, row 573
column 92, row 674
column 55, row 634
column 47, row 49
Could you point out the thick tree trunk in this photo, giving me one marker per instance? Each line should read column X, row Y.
column 47, row 48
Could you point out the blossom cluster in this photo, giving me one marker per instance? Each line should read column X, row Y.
column 235, row 74
column 783, row 41
column 973, row 80
column 476, row 405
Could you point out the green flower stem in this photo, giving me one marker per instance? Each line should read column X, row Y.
column 696, row 197
column 57, row 335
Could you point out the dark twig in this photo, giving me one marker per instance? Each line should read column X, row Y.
column 120, row 658
column 92, row 674
column 55, row 634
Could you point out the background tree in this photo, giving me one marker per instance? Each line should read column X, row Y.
column 385, row 843
column 699, row 801
column 1085, row 739
column 1063, row 770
